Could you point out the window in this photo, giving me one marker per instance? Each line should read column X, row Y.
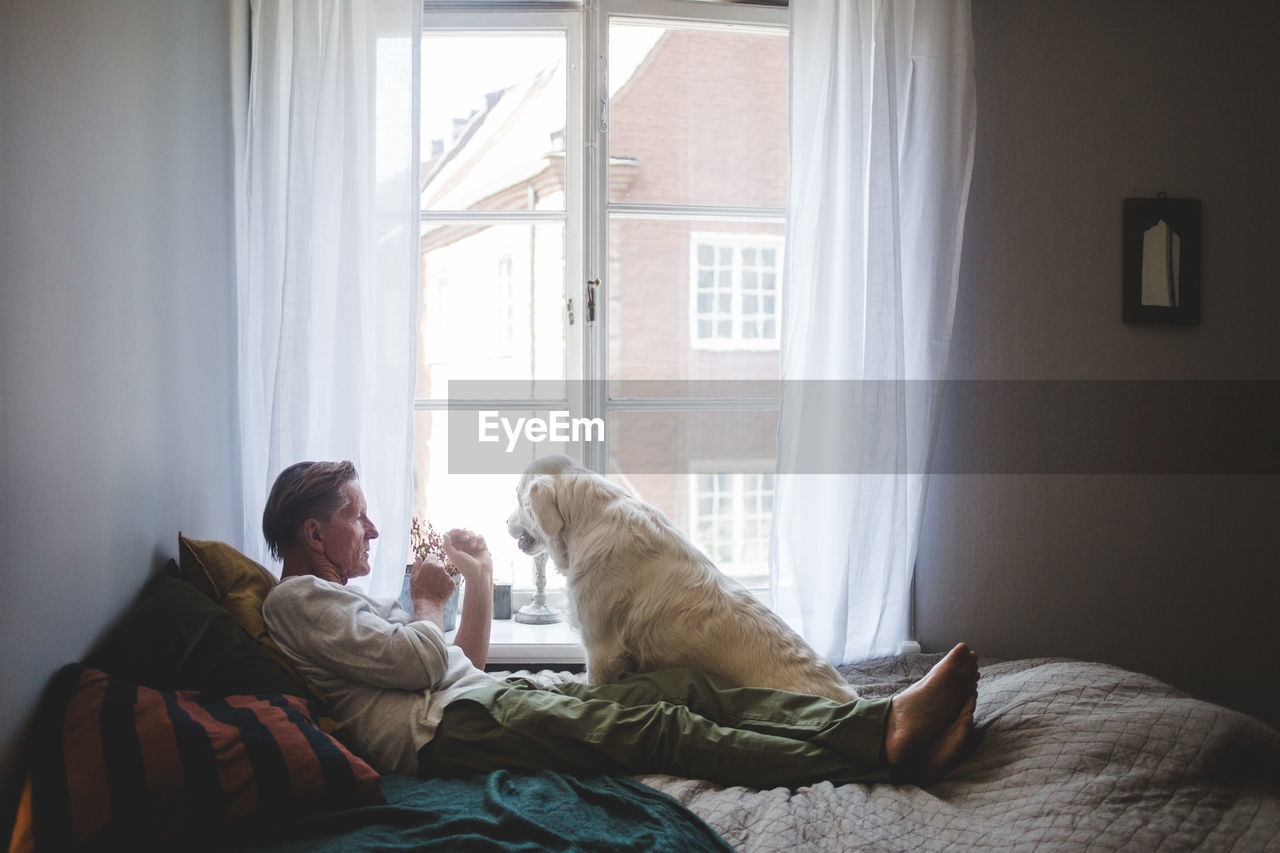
column 640, row 144
column 734, row 282
column 732, row 519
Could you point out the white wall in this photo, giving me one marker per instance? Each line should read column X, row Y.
column 117, row 315
column 1081, row 104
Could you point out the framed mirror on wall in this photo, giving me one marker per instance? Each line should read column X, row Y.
column 1162, row 261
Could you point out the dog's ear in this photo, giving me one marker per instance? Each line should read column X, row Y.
column 543, row 506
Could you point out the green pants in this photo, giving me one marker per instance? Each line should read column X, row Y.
column 677, row 721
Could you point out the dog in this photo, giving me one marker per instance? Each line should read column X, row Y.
column 645, row 598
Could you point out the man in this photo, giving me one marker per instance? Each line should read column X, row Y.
column 416, row 704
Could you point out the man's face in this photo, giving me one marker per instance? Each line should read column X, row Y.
column 347, row 535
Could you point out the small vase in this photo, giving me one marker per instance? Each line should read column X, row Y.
column 451, row 608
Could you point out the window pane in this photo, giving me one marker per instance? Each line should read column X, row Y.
column 676, row 295
column 480, row 502
column 493, row 121
column 491, row 304
column 697, row 116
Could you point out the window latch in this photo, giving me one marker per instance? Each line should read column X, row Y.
column 569, row 308
column 592, row 286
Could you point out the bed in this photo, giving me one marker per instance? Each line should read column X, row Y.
column 1067, row 755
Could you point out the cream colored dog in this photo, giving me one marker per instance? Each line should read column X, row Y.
column 646, row 598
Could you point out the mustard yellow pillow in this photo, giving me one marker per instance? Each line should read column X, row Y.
column 239, row 585
column 229, row 578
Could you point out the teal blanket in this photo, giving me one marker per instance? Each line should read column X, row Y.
column 502, row 811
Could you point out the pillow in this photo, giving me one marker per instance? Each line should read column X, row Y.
column 119, row 764
column 229, row 578
column 239, row 585
column 173, row 637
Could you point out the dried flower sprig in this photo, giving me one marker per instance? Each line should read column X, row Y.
column 425, row 542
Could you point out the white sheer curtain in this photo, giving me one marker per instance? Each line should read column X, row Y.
column 882, row 135
column 327, row 280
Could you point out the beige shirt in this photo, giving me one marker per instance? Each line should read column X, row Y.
column 386, row 676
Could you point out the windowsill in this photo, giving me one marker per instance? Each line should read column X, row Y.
column 516, row 645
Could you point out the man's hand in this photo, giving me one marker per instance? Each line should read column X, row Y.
column 469, row 553
column 430, row 586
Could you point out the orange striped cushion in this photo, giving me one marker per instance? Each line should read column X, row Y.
column 118, row 762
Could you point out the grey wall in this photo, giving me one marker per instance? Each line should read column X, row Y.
column 1081, row 104
column 117, row 316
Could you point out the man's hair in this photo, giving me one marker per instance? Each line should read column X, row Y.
column 302, row 491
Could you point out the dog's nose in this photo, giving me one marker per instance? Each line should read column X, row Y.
column 513, row 525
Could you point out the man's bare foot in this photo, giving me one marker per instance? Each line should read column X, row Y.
column 942, row 753
column 929, row 722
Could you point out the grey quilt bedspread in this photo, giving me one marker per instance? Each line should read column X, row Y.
column 1068, row 756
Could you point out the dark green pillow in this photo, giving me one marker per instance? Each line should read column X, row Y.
column 174, row 637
